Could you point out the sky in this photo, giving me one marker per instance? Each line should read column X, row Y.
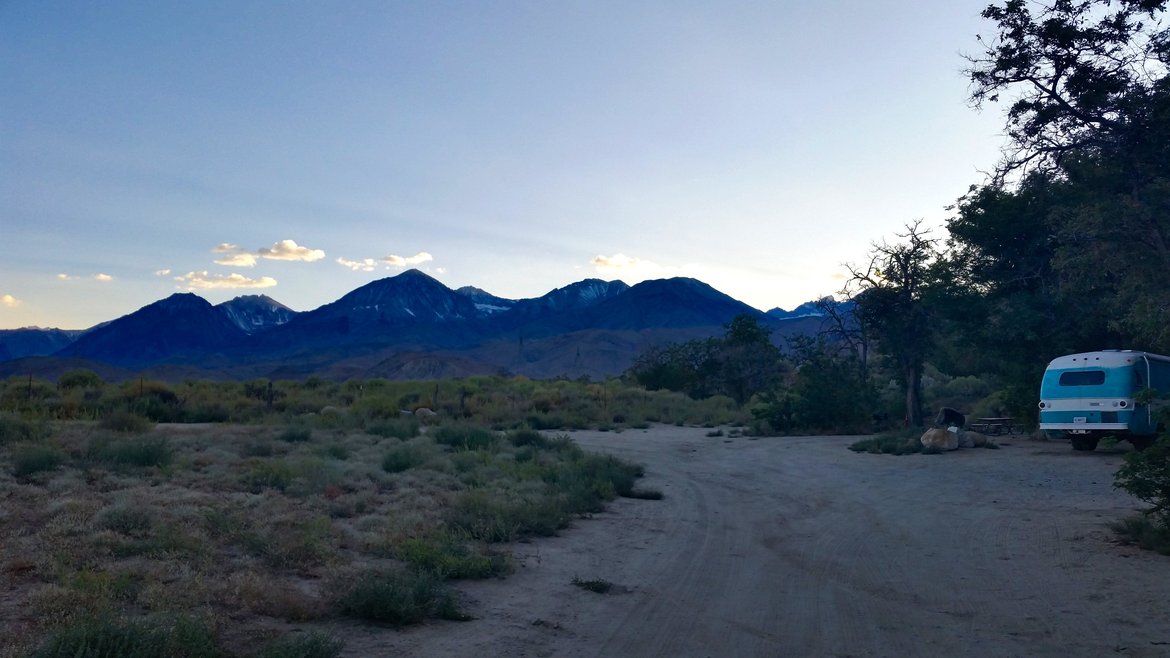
column 302, row 149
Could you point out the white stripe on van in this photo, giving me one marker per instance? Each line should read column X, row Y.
column 1087, row 404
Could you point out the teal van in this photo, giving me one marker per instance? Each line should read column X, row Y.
column 1086, row 396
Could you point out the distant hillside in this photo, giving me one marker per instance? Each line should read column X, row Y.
column 33, row 341
column 411, row 326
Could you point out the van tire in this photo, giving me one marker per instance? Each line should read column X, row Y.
column 1084, row 443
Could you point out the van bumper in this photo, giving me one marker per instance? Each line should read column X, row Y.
column 1085, row 427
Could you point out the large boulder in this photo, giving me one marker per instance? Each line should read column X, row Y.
column 940, row 439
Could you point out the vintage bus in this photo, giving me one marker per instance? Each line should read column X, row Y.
column 1087, row 396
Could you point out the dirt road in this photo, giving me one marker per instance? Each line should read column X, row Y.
column 799, row 547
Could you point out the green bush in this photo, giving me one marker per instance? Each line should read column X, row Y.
column 447, row 557
column 527, row 437
column 399, row 598
column 107, row 638
column 312, row 645
column 464, row 437
column 296, row 435
column 901, row 442
column 35, row 458
column 396, row 428
column 403, row 457
column 505, row 517
column 13, row 428
column 79, row 378
column 1144, row 532
column 125, row 421
column 1146, row 475
column 142, row 452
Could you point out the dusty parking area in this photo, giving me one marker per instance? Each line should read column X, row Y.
column 800, row 547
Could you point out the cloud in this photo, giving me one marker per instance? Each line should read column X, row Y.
column 9, row 301
column 166, row 272
column 103, row 277
column 363, row 265
column 289, row 250
column 399, row 261
column 236, row 256
column 619, row 263
column 205, row 281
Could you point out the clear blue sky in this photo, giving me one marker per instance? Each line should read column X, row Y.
column 302, row 149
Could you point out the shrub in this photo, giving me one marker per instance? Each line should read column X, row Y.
column 447, row 557
column 502, row 517
column 312, row 645
column 398, row 598
column 35, row 458
column 273, row 473
column 902, row 442
column 132, row 452
column 1146, row 475
column 464, row 437
column 106, row 638
column 125, row 421
column 596, row 585
column 590, row 480
column 131, row 520
column 403, row 457
column 527, row 437
column 396, row 428
column 13, row 428
column 296, row 435
column 79, row 378
column 1144, row 532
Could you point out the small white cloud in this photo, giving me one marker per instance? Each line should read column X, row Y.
column 363, row 265
column 165, row 272
column 237, row 260
column 9, row 301
column 65, row 277
column 619, row 263
column 104, row 278
column 399, row 261
column 206, row 281
column 440, row 270
column 235, row 256
column 631, row 268
column 290, row 250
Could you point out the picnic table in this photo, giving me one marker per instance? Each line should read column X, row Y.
column 997, row 425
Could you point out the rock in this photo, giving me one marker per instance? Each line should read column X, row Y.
column 940, row 439
column 424, row 412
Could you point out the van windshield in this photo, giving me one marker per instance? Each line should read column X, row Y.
column 1082, row 378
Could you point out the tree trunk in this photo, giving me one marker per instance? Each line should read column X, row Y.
column 913, row 396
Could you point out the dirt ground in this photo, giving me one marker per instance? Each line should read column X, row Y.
column 800, row 547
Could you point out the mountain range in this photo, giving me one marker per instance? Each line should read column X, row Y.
column 409, row 326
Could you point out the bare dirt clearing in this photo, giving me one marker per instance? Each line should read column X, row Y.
column 797, row 546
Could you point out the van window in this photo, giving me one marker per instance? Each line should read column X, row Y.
column 1082, row 378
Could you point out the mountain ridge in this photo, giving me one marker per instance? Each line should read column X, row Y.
column 412, row 325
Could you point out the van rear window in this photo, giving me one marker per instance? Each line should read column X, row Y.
column 1082, row 378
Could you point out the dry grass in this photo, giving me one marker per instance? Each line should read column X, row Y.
column 249, row 530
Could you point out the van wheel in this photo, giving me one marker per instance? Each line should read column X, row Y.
column 1084, row 443
column 1141, row 442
